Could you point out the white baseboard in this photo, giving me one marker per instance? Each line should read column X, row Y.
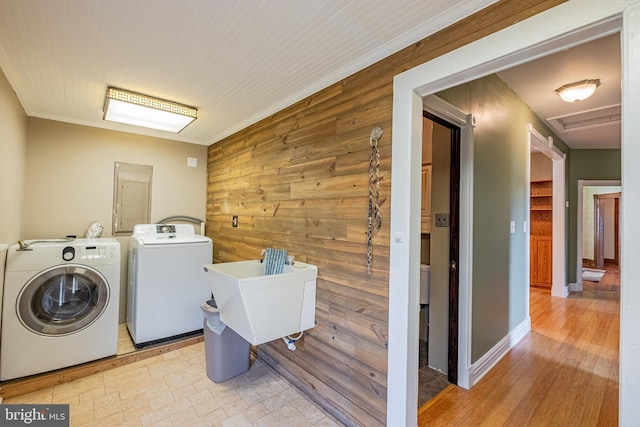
column 497, row 352
column 560, row 291
column 575, row 287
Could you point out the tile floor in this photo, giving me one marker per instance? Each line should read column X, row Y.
column 430, row 381
column 173, row 390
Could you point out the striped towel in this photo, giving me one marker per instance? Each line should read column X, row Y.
column 274, row 261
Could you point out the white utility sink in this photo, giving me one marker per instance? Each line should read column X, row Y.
column 263, row 308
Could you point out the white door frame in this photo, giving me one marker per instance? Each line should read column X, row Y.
column 558, row 28
column 442, row 109
column 559, row 265
column 577, row 286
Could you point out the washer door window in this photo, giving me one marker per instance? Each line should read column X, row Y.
column 63, row 300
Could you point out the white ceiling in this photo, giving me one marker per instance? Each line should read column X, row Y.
column 236, row 61
column 588, row 124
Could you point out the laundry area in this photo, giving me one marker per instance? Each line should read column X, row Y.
column 111, row 269
column 89, row 184
column 121, row 279
column 62, row 296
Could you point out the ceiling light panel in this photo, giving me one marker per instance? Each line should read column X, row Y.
column 136, row 109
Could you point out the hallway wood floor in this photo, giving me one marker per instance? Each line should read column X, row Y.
column 607, row 287
column 564, row 373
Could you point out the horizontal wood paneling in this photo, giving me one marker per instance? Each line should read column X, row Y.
column 298, row 180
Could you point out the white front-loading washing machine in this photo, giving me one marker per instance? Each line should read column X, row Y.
column 60, row 305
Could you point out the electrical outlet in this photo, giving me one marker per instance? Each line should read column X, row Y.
column 234, row 221
column 442, row 220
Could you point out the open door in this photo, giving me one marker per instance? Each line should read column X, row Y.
column 446, row 220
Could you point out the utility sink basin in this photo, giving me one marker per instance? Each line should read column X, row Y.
column 263, row 308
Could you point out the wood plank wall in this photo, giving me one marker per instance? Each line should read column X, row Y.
column 298, row 180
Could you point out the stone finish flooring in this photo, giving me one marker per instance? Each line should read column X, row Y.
column 172, row 389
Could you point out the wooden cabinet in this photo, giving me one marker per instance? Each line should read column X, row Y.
column 541, row 222
column 541, row 256
column 426, row 199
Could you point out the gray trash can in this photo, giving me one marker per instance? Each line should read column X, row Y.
column 227, row 353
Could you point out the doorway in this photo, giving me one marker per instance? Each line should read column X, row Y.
column 439, row 254
column 594, row 249
column 606, row 243
column 530, row 38
column 547, row 259
column 445, row 202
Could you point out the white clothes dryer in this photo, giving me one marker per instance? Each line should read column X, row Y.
column 166, row 282
column 60, row 305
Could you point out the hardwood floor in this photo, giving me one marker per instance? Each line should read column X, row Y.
column 564, row 373
column 607, row 287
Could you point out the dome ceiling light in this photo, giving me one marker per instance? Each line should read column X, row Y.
column 578, row 91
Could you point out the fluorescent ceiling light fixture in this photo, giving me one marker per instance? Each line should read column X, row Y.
column 578, row 91
column 132, row 108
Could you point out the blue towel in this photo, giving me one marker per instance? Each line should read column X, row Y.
column 274, row 261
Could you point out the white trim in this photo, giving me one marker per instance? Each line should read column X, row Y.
column 629, row 373
column 527, row 227
column 498, row 351
column 579, row 225
column 559, row 240
column 575, row 287
column 558, row 28
column 545, row 145
column 402, row 391
column 441, row 108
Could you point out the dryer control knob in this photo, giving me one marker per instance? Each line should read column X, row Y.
column 68, row 253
